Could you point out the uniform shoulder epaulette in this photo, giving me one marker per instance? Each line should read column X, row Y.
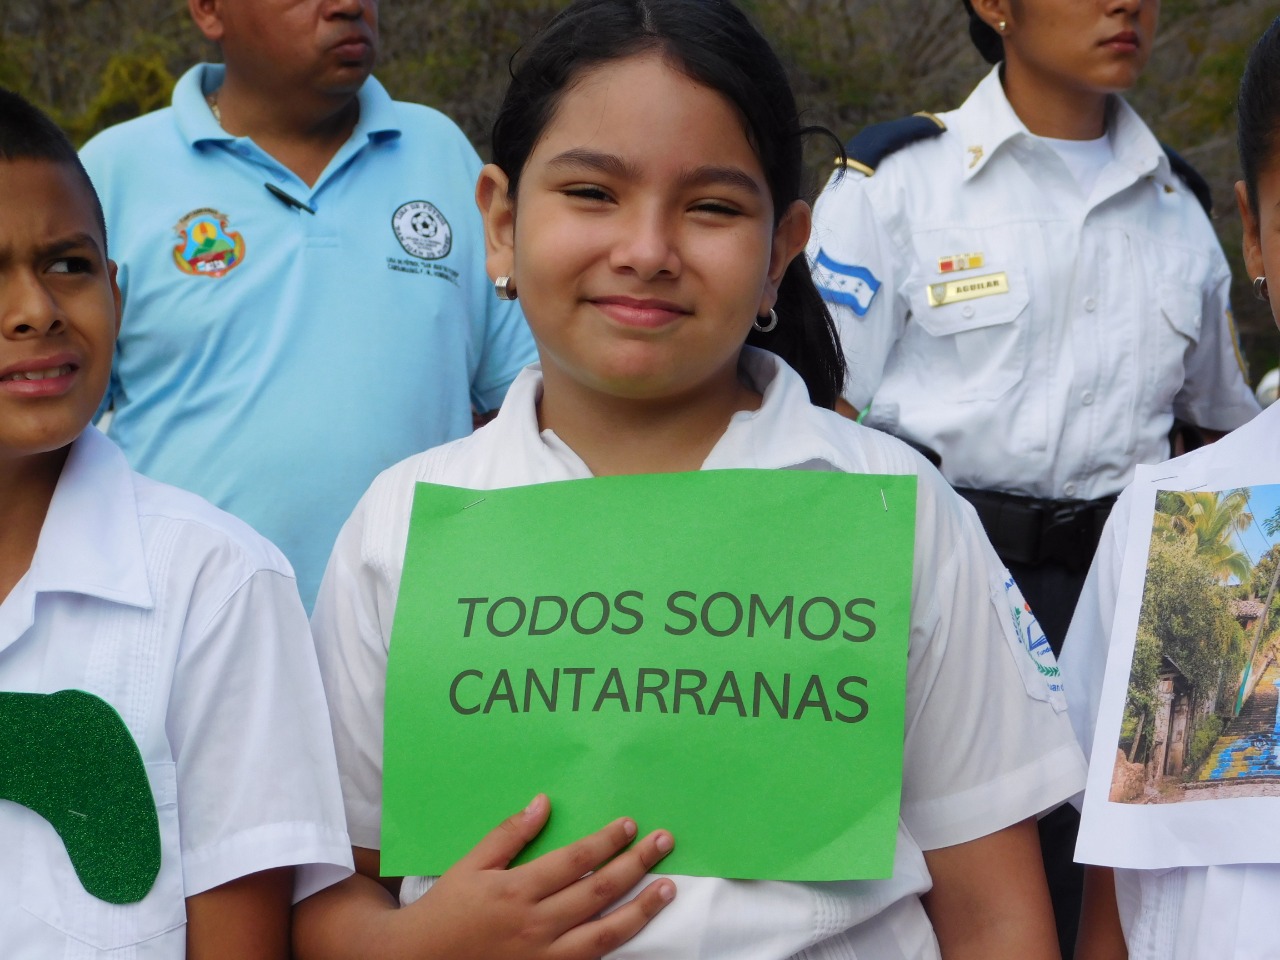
column 872, row 144
column 1191, row 177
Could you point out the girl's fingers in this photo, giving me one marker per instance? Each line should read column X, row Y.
column 554, row 871
column 589, row 895
column 589, row 941
column 503, row 842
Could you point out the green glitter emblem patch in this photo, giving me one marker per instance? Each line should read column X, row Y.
column 69, row 757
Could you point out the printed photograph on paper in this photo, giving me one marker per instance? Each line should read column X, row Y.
column 1202, row 714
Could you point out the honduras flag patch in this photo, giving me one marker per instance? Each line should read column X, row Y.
column 853, row 286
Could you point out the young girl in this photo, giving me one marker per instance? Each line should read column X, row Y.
column 1190, row 913
column 644, row 205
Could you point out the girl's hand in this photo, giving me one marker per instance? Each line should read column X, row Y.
column 547, row 908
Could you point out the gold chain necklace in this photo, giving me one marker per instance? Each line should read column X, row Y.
column 212, row 100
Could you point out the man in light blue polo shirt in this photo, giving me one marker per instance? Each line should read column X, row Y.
column 302, row 266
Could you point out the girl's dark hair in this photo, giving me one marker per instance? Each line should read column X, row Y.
column 1258, row 111
column 984, row 38
column 27, row 134
column 714, row 44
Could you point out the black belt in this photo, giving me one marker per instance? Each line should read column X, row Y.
column 1032, row 531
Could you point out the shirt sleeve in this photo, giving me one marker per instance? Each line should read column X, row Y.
column 352, row 626
column 988, row 742
column 858, row 270
column 1215, row 394
column 247, row 709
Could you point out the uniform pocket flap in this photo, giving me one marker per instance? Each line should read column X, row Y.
column 1183, row 307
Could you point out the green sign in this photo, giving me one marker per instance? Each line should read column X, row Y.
column 721, row 653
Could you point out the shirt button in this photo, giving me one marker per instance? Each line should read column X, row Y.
column 968, row 312
column 1090, row 304
column 1069, row 489
column 1086, row 398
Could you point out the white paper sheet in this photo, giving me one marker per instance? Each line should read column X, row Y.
column 1172, row 811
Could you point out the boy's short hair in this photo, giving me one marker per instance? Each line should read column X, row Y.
column 26, row 133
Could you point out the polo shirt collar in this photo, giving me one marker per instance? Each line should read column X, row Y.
column 985, row 122
column 91, row 541
column 378, row 120
column 191, row 110
column 378, row 117
column 786, row 431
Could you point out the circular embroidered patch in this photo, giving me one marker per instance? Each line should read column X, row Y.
column 422, row 230
column 207, row 246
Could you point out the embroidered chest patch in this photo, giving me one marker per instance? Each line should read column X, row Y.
column 207, row 246
column 422, row 230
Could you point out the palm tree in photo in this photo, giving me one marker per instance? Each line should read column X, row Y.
column 1213, row 519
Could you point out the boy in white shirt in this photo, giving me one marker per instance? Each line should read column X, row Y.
column 171, row 616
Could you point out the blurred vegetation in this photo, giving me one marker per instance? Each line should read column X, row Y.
column 93, row 63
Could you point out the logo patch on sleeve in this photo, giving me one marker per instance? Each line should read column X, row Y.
column 853, row 286
column 1029, row 646
column 207, row 246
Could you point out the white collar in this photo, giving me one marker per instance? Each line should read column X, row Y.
column 986, row 122
column 91, row 541
column 786, row 431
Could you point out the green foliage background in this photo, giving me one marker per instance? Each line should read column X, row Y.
column 93, row 63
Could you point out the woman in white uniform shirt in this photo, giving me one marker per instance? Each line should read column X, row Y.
column 1034, row 292
column 644, row 203
column 1222, row 912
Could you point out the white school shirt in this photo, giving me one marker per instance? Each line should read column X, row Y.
column 987, row 743
column 189, row 624
column 1184, row 913
column 1116, row 315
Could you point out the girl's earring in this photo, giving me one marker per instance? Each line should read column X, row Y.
column 504, row 289
column 1002, row 26
column 1260, row 289
column 768, row 322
